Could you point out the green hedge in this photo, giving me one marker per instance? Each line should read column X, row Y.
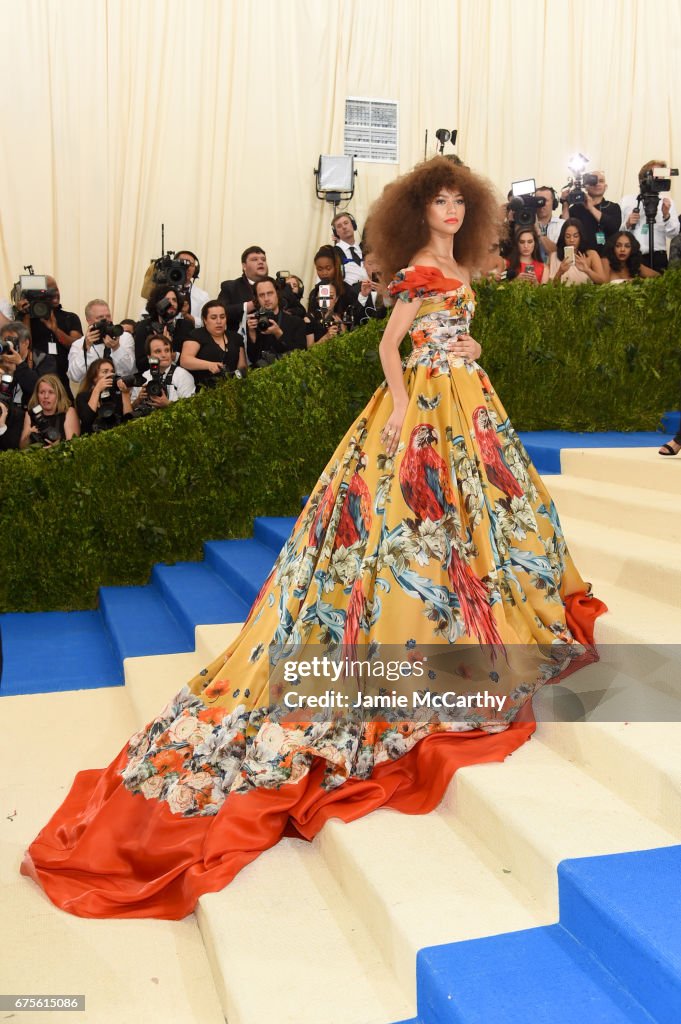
column 103, row 509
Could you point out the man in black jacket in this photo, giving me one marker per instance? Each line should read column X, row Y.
column 599, row 216
column 237, row 296
column 271, row 329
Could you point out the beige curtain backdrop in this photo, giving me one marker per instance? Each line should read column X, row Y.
column 209, row 116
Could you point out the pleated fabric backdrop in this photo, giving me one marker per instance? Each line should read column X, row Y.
column 210, row 116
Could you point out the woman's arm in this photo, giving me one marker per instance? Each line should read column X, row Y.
column 594, row 268
column 26, row 430
column 605, row 269
column 189, row 361
column 401, row 319
column 645, row 271
column 71, row 424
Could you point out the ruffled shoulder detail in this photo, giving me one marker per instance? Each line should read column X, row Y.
column 420, row 282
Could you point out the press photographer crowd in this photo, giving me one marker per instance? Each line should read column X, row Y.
column 58, row 380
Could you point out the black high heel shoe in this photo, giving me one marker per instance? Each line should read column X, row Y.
column 667, row 449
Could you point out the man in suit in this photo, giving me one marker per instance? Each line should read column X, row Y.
column 237, row 296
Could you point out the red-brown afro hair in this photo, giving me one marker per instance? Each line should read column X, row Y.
column 396, row 228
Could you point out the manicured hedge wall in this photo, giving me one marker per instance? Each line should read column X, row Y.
column 102, row 510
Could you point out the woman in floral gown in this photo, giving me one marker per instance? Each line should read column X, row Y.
column 429, row 537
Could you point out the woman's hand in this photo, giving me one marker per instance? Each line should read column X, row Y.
column 581, row 262
column 390, row 435
column 531, row 278
column 564, row 267
column 467, row 348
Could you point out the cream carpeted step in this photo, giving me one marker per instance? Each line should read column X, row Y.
column 631, row 507
column 288, row 947
column 638, row 761
column 421, row 880
column 152, row 680
column 537, row 809
column 127, row 970
column 631, row 467
column 628, row 560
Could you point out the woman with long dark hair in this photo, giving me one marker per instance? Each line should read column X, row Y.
column 622, row 259
column 524, row 261
column 573, row 262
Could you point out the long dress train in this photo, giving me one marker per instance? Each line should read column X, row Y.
column 453, row 545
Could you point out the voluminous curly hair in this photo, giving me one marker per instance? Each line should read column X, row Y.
column 396, row 227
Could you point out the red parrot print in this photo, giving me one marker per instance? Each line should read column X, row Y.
column 428, row 493
column 476, row 611
column 498, row 472
column 353, row 619
column 321, row 519
column 355, row 517
column 424, row 479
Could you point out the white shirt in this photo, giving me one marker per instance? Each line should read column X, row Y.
column 122, row 357
column 181, row 386
column 199, row 298
column 663, row 229
column 352, row 272
column 552, row 228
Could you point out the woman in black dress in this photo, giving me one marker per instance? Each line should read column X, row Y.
column 212, row 350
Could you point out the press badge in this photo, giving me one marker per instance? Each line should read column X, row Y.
column 600, row 238
column 52, row 348
column 644, row 229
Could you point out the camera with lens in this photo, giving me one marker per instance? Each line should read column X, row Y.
column 658, row 179
column 170, row 272
column 524, row 203
column 265, row 318
column 107, row 329
column 44, row 431
column 6, row 388
column 577, row 196
column 348, row 319
column 155, row 386
column 8, row 348
column 33, row 288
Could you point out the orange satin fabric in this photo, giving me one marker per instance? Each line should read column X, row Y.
column 109, row 853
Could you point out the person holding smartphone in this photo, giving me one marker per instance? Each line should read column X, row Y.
column 524, row 261
column 573, row 262
column 370, row 302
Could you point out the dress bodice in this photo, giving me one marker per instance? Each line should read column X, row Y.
column 447, row 308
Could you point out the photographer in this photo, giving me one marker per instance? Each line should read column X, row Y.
column 197, row 297
column 102, row 339
column 597, row 215
column 163, row 317
column 53, row 335
column 665, row 227
column 17, row 361
column 213, row 351
column 548, row 225
column 371, row 293
column 166, row 382
column 50, row 418
column 11, row 425
column 102, row 402
column 237, row 295
column 272, row 332
column 325, row 321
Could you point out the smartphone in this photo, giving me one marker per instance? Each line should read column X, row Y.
column 570, row 253
column 375, row 277
column 529, row 269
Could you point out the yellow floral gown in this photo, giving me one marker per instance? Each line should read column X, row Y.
column 448, row 557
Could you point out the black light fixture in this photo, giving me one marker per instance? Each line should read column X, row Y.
column 443, row 135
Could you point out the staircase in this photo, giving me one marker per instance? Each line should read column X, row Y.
column 451, row 915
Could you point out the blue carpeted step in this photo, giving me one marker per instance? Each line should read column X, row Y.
column 273, row 531
column 196, row 595
column 544, row 446
column 243, row 564
column 48, row 651
column 670, row 422
column 626, row 909
column 542, row 975
column 141, row 623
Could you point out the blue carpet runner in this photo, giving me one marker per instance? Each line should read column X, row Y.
column 613, row 958
column 50, row 651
